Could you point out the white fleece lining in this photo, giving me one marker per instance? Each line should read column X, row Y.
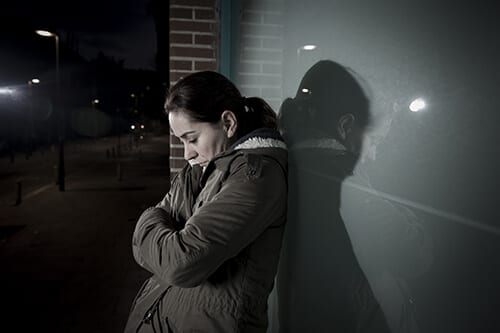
column 256, row 142
column 326, row 143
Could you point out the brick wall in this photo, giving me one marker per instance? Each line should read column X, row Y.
column 261, row 50
column 194, row 46
column 194, row 40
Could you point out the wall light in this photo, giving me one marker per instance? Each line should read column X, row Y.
column 417, row 105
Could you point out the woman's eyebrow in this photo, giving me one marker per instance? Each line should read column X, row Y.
column 183, row 135
column 186, row 134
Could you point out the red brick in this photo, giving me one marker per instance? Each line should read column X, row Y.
column 192, row 26
column 201, row 14
column 181, row 38
column 177, row 51
column 181, row 65
column 205, row 65
column 204, row 39
column 197, row 3
column 182, row 13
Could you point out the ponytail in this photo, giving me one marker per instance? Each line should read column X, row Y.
column 257, row 114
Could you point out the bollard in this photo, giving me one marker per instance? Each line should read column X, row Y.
column 119, row 173
column 18, row 193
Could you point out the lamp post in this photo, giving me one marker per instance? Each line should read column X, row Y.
column 62, row 123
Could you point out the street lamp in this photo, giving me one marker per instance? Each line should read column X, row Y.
column 60, row 169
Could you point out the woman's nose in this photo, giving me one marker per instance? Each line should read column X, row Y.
column 189, row 153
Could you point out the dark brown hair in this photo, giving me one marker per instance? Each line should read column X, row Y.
column 204, row 96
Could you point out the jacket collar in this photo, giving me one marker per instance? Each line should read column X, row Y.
column 259, row 139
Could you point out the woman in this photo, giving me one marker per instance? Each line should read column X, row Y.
column 213, row 242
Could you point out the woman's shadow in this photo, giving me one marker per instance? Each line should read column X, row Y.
column 320, row 285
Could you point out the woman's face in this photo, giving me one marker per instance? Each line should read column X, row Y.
column 202, row 141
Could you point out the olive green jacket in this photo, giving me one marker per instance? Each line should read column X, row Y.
column 213, row 243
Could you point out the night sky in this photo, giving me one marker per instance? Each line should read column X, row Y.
column 122, row 29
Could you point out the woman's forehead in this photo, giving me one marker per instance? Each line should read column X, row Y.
column 181, row 123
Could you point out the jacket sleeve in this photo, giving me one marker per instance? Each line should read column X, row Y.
column 166, row 211
column 243, row 208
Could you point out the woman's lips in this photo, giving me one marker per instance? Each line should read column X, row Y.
column 202, row 164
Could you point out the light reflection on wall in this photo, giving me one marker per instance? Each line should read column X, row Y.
column 417, row 105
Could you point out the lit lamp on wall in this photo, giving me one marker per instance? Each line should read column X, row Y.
column 60, row 169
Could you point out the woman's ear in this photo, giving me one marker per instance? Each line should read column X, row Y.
column 345, row 125
column 229, row 123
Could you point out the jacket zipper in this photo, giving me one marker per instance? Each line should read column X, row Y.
column 148, row 318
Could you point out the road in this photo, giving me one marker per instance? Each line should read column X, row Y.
column 65, row 257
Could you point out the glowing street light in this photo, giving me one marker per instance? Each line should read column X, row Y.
column 45, row 33
column 35, row 81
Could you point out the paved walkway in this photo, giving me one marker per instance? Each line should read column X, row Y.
column 65, row 257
